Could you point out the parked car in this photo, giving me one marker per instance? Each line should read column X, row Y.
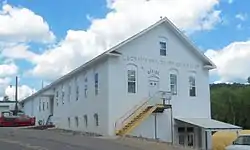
column 7, row 119
column 241, row 143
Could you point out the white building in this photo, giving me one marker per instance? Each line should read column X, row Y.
column 7, row 105
column 111, row 94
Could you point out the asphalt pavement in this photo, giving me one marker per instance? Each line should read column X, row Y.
column 30, row 139
column 27, row 139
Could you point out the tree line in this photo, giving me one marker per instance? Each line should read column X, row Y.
column 231, row 103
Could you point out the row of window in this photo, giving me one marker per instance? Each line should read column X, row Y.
column 42, row 105
column 69, row 96
column 85, row 117
column 132, row 83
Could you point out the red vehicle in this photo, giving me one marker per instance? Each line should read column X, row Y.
column 7, row 119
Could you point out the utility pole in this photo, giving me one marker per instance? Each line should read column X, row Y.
column 16, row 106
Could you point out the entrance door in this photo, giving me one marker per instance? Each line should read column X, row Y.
column 153, row 87
column 186, row 136
column 190, row 140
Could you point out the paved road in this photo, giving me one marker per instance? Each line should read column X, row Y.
column 27, row 139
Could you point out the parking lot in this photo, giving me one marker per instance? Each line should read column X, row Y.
column 28, row 139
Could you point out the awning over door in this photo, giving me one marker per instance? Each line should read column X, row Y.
column 209, row 124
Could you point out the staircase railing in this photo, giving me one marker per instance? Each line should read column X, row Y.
column 137, row 109
column 48, row 122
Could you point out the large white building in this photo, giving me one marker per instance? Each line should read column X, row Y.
column 125, row 91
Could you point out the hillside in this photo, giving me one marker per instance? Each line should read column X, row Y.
column 231, row 103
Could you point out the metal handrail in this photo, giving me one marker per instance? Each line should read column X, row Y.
column 135, row 109
column 131, row 111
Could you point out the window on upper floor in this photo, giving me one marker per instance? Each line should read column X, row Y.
column 131, row 81
column 69, row 93
column 96, row 119
column 96, row 83
column 163, row 45
column 192, row 86
column 63, row 94
column 76, row 88
column 173, row 83
column 86, row 120
column 132, row 78
column 86, row 87
column 57, row 99
column 163, row 48
column 77, row 92
column 40, row 103
column 47, row 105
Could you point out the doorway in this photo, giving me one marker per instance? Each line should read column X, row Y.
column 186, row 136
column 153, row 86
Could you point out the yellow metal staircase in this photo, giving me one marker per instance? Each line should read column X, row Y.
column 137, row 119
column 139, row 114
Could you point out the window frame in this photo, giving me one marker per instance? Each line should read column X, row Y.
column 77, row 121
column 96, row 79
column 86, row 87
column 76, row 89
column 163, row 44
column 57, row 99
column 40, row 105
column 69, row 92
column 85, row 120
column 63, row 94
column 96, row 118
column 163, row 48
column 192, row 86
column 132, row 81
column 173, row 77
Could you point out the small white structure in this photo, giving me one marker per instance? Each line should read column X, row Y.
column 154, row 84
column 7, row 105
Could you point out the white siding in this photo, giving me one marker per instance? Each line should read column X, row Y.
column 113, row 99
column 144, row 52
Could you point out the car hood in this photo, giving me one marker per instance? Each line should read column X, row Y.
column 238, row 147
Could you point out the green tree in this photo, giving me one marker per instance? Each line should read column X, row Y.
column 231, row 103
column 6, row 98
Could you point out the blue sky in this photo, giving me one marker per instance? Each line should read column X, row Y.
column 226, row 35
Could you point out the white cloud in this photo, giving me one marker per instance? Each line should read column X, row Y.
column 22, row 25
column 8, row 69
column 241, row 16
column 4, row 82
column 17, row 51
column 125, row 19
column 23, row 92
column 232, row 61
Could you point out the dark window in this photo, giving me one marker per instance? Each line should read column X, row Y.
column 190, row 129
column 131, row 81
column 181, row 129
column 96, row 83
column 163, row 48
column 192, row 86
column 86, row 120
column 96, row 119
column 86, row 88
column 173, row 84
column 76, row 121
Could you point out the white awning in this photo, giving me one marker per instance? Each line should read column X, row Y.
column 209, row 124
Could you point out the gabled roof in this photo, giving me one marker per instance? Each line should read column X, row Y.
column 171, row 26
column 112, row 51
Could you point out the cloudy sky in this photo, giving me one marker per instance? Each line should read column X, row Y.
column 44, row 39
